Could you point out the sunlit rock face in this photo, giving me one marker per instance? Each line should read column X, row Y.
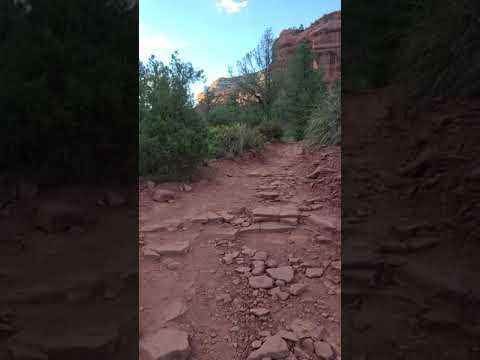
column 323, row 37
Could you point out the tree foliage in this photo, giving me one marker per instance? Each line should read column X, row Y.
column 302, row 87
column 172, row 136
column 68, row 85
column 256, row 76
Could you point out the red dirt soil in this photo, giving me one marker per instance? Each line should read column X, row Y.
column 209, row 298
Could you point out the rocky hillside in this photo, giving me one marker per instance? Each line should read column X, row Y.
column 323, row 37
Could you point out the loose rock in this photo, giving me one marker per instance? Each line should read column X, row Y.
column 314, row 272
column 274, row 347
column 166, row 344
column 260, row 255
column 260, row 311
column 258, row 267
column 297, row 289
column 288, row 335
column 161, row 195
column 323, row 350
column 170, row 248
column 260, row 282
column 284, row 273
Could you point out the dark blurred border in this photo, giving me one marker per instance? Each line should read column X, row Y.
column 410, row 121
column 68, row 179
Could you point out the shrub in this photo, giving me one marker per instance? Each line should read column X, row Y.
column 325, row 122
column 221, row 115
column 232, row 141
column 172, row 135
column 271, row 130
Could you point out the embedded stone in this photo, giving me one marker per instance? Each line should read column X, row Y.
column 284, row 273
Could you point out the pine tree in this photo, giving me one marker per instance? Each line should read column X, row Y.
column 303, row 86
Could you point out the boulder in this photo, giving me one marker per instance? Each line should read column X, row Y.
column 161, row 195
column 323, row 350
column 284, row 273
column 274, row 347
column 166, row 344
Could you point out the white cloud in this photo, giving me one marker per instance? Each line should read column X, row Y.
column 152, row 43
column 231, row 6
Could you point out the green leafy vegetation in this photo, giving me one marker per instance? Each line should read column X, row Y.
column 232, row 141
column 278, row 102
column 302, row 86
column 432, row 46
column 172, row 135
column 324, row 126
column 68, row 89
column 271, row 130
column 267, row 105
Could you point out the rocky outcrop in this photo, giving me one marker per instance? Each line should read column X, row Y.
column 323, row 37
column 220, row 91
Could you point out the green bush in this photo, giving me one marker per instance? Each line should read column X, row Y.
column 172, row 135
column 232, row 141
column 271, row 130
column 324, row 126
column 221, row 115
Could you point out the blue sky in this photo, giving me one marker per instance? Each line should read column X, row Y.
column 213, row 34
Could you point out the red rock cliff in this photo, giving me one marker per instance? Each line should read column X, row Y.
column 323, row 37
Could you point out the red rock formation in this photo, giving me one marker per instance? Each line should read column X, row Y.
column 323, row 37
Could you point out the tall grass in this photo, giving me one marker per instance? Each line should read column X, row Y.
column 232, row 141
column 324, row 127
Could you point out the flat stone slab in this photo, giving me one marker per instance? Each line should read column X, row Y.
column 325, row 223
column 274, row 227
column 172, row 309
column 269, row 195
column 209, row 217
column 314, row 272
column 276, row 212
column 170, row 248
column 266, row 227
column 306, row 328
column 260, row 282
column 225, row 232
column 166, row 344
column 274, row 348
column 284, row 273
column 170, row 225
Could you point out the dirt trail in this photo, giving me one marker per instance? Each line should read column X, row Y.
column 242, row 256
